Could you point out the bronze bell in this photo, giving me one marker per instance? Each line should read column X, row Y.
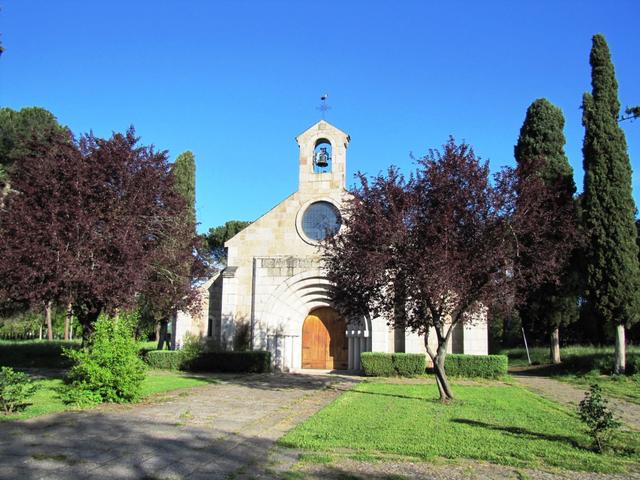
column 322, row 158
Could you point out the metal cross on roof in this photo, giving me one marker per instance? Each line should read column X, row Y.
column 323, row 106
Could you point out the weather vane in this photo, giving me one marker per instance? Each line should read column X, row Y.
column 323, row 106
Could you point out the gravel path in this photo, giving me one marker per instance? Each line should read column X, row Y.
column 216, row 431
column 563, row 392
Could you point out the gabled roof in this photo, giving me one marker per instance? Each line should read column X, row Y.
column 327, row 126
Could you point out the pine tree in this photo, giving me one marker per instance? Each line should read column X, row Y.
column 612, row 267
column 184, row 172
column 540, row 150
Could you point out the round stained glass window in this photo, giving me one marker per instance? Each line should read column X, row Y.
column 321, row 220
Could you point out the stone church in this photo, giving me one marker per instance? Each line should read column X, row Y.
column 274, row 295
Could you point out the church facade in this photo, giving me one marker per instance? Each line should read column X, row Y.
column 274, row 294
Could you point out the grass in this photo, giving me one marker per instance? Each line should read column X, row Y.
column 47, row 399
column 583, row 366
column 581, row 358
column 498, row 423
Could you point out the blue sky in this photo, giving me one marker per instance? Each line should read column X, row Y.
column 236, row 81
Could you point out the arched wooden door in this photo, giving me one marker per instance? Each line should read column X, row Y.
column 324, row 340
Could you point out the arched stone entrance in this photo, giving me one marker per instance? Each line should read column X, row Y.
column 324, row 340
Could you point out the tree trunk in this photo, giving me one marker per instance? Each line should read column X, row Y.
column 621, row 357
column 47, row 316
column 67, row 322
column 162, row 333
column 441, row 377
column 555, row 346
column 157, row 332
column 86, row 321
column 40, row 333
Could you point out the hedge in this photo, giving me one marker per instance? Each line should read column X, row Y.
column 233, row 362
column 35, row 353
column 377, row 364
column 164, row 359
column 474, row 366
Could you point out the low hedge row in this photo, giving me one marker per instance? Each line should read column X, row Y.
column 377, row 364
column 476, row 366
column 164, row 359
column 233, row 362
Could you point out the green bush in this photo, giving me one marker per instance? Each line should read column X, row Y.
column 15, row 390
column 165, row 359
column 476, row 366
column 377, row 364
column 109, row 369
column 236, row 362
column 409, row 364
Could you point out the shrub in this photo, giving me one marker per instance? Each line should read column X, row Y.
column 164, row 359
column 476, row 366
column 15, row 390
column 595, row 413
column 236, row 362
column 109, row 369
column 409, row 364
column 377, row 364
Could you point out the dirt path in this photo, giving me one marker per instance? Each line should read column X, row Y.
column 562, row 392
column 209, row 432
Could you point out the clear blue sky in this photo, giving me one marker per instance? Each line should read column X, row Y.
column 236, row 81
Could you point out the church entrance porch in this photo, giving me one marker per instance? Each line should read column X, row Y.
column 324, row 341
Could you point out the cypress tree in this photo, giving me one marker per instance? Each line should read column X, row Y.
column 540, row 150
column 184, row 172
column 612, row 269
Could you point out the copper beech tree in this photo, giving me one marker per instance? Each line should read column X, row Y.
column 87, row 224
column 443, row 247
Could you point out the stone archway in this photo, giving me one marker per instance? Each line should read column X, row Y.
column 324, row 340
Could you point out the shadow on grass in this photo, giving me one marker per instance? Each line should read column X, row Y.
column 521, row 432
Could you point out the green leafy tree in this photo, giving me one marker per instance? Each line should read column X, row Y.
column 540, row 150
column 217, row 236
column 612, row 269
column 15, row 390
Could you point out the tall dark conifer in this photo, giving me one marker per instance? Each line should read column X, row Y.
column 184, row 173
column 540, row 150
column 612, row 268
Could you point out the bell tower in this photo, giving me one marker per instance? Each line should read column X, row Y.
column 323, row 152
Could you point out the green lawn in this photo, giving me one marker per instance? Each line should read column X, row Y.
column 47, row 400
column 495, row 423
column 574, row 357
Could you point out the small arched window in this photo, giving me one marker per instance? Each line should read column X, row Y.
column 322, row 156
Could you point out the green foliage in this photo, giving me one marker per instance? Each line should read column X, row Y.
column 164, row 359
column 192, row 349
column 476, row 366
column 16, row 388
column 377, row 364
column 217, row 236
column 184, row 174
column 595, row 413
column 19, row 128
column 612, row 269
column 109, row 369
column 35, row 353
column 501, row 424
column 235, row 362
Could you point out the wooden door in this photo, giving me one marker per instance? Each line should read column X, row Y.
column 324, row 340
